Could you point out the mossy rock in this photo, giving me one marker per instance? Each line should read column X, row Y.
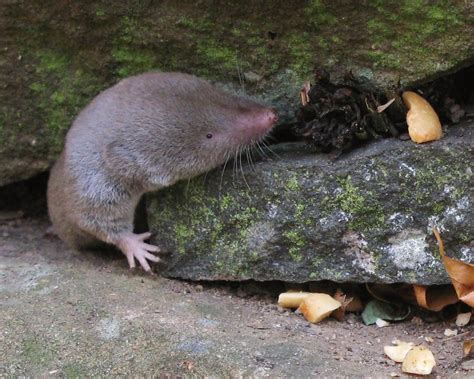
column 57, row 55
column 366, row 217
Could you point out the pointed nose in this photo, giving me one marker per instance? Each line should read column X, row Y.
column 272, row 116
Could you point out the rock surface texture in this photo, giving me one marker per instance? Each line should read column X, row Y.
column 365, row 217
column 57, row 55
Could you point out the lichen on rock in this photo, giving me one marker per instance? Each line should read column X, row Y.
column 305, row 217
column 58, row 56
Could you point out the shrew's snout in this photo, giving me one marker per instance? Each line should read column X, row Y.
column 266, row 119
column 272, row 116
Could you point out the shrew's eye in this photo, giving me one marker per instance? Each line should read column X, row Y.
column 209, row 135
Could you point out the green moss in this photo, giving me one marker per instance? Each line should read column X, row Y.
column 438, row 208
column 319, row 15
column 100, row 12
column 226, row 202
column 296, row 242
column 215, row 54
column 74, row 370
column 292, row 184
column 61, row 91
column 183, row 235
column 365, row 211
column 301, row 52
column 37, row 352
column 200, row 24
column 132, row 62
column 130, row 52
column 244, row 217
column 398, row 41
column 299, row 211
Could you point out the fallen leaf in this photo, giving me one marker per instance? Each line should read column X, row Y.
column 304, row 93
column 292, row 299
column 450, row 332
column 348, row 304
column 463, row 319
column 468, row 347
column 318, row 306
column 378, row 309
column 355, row 305
column 381, row 108
column 398, row 353
column 461, row 274
column 419, row 360
column 435, row 298
column 423, row 122
column 381, row 323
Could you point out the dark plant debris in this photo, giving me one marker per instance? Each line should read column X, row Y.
column 338, row 117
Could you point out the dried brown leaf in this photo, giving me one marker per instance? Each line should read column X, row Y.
column 382, row 107
column 461, row 274
column 468, row 347
column 423, row 122
column 435, row 298
column 304, row 93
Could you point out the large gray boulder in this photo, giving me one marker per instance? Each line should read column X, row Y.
column 56, row 56
column 365, row 217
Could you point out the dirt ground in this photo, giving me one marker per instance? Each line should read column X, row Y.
column 69, row 314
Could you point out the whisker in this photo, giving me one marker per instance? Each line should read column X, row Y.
column 249, row 157
column 242, row 169
column 263, row 154
column 270, row 150
column 222, row 173
column 187, row 188
column 234, row 166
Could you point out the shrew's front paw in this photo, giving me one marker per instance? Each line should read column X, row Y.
column 134, row 247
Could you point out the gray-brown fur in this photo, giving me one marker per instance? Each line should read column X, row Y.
column 144, row 133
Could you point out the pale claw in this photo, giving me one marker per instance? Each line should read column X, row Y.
column 133, row 247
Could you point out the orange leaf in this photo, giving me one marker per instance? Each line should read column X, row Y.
column 345, row 301
column 435, row 298
column 468, row 347
column 461, row 274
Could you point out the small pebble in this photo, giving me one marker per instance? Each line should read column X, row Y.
column 468, row 365
column 463, row 319
column 450, row 332
column 199, row 288
column 381, row 323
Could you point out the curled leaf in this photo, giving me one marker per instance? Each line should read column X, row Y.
column 382, row 107
column 318, row 306
column 398, row 353
column 292, row 299
column 435, row 298
column 463, row 319
column 348, row 304
column 461, row 274
column 419, row 360
column 378, row 309
column 468, row 347
column 423, row 122
column 304, row 93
